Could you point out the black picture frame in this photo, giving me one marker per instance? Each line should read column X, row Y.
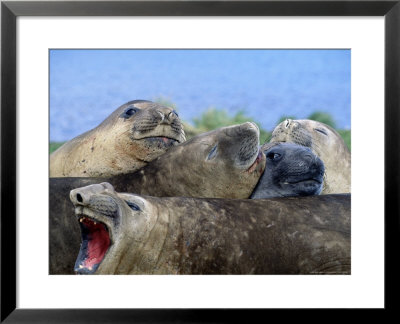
column 10, row 10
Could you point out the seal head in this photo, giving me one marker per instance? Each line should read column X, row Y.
column 99, row 210
column 134, row 134
column 223, row 163
column 326, row 143
column 291, row 170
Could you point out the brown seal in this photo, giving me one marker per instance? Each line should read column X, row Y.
column 134, row 134
column 326, row 143
column 130, row 234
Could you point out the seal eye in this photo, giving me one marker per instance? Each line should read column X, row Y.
column 212, row 153
column 132, row 205
column 129, row 112
column 321, row 131
column 273, row 156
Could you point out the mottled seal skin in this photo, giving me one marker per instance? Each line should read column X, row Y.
column 224, row 163
column 134, row 134
column 130, row 234
column 290, row 170
column 327, row 144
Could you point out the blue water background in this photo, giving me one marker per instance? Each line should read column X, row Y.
column 87, row 85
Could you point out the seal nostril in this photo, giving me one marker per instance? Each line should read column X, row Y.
column 79, row 198
column 172, row 114
column 161, row 115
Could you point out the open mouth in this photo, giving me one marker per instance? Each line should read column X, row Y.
column 256, row 162
column 95, row 244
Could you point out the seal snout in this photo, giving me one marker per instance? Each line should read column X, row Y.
column 159, row 128
column 244, row 142
column 167, row 115
column 249, row 127
column 245, row 129
column 303, row 160
column 97, row 212
column 82, row 196
column 292, row 131
column 310, row 160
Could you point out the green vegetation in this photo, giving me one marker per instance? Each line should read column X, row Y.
column 54, row 146
column 323, row 117
column 346, row 135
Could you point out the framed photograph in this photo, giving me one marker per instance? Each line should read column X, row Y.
column 316, row 57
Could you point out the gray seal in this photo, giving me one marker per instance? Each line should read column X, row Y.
column 290, row 170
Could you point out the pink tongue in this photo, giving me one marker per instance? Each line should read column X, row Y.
column 99, row 241
column 165, row 140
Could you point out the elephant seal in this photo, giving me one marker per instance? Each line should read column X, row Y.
column 325, row 142
column 130, row 234
column 224, row 163
column 134, row 134
column 290, row 170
